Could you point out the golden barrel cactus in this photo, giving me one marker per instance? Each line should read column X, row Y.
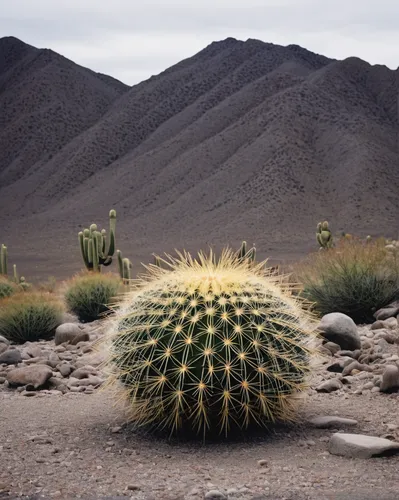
column 210, row 344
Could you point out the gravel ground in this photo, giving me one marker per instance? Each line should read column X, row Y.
column 66, row 447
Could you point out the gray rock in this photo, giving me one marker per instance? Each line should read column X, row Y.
column 383, row 345
column 53, row 360
column 361, row 446
column 92, row 380
column 339, row 365
column 355, row 365
column 389, row 336
column 332, row 421
column 82, row 337
column 66, row 333
column 390, row 379
column 35, row 376
column 33, row 351
column 215, row 495
column 3, row 347
column 387, row 312
column 350, row 354
column 3, row 340
column 377, row 325
column 329, row 385
column 65, row 369
column 391, row 323
column 84, row 372
column 332, row 347
column 11, row 357
column 340, row 329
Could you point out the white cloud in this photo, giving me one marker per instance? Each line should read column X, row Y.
column 132, row 41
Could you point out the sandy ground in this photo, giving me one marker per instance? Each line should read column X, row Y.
column 66, row 447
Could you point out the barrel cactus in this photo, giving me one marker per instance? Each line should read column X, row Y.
column 209, row 344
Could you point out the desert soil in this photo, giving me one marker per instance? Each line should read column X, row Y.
column 65, row 447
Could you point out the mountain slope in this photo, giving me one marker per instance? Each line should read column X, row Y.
column 245, row 140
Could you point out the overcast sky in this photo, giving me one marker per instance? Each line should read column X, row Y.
column 132, row 40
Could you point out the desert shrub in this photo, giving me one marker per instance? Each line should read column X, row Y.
column 355, row 278
column 29, row 316
column 49, row 285
column 89, row 294
column 209, row 346
column 7, row 287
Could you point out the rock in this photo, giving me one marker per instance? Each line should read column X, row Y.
column 390, row 379
column 53, row 360
column 11, row 357
column 65, row 369
column 92, row 359
column 329, row 385
column 390, row 323
column 340, row 329
column 332, row 421
column 355, row 365
column 215, row 495
column 35, row 376
column 33, row 351
column 383, row 345
column 33, row 361
column 339, row 365
column 350, row 354
column 332, row 347
column 91, row 380
column 377, row 325
column 3, row 340
column 3, row 347
column 361, row 446
column 82, row 337
column 387, row 312
column 388, row 335
column 84, row 372
column 66, row 333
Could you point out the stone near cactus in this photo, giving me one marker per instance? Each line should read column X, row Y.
column 66, row 333
column 11, row 357
column 35, row 376
column 340, row 329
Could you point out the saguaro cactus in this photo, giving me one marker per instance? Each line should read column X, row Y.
column 323, row 235
column 245, row 254
column 3, row 260
column 125, row 266
column 97, row 249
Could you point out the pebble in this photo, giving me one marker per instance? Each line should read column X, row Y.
column 215, row 495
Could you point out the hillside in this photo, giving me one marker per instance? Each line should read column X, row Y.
column 244, row 140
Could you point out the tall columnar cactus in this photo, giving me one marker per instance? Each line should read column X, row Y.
column 3, row 260
column 324, row 236
column 125, row 267
column 244, row 254
column 209, row 345
column 96, row 248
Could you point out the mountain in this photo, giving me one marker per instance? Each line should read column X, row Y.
column 244, row 140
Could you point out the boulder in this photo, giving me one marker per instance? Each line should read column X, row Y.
column 35, row 376
column 389, row 311
column 340, row 329
column 3, row 347
column 326, row 422
column 361, row 446
column 11, row 357
column 84, row 372
column 390, row 379
column 329, row 385
column 66, row 333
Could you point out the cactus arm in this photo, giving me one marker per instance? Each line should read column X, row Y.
column 16, row 279
column 120, row 263
column 84, row 249
column 3, row 260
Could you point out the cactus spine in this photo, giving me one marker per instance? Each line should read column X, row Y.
column 324, row 236
column 96, row 248
column 209, row 345
column 125, row 266
column 3, row 260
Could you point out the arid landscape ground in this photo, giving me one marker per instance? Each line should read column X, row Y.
column 244, row 140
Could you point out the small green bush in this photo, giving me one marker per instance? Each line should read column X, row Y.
column 7, row 287
column 355, row 278
column 88, row 295
column 29, row 316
